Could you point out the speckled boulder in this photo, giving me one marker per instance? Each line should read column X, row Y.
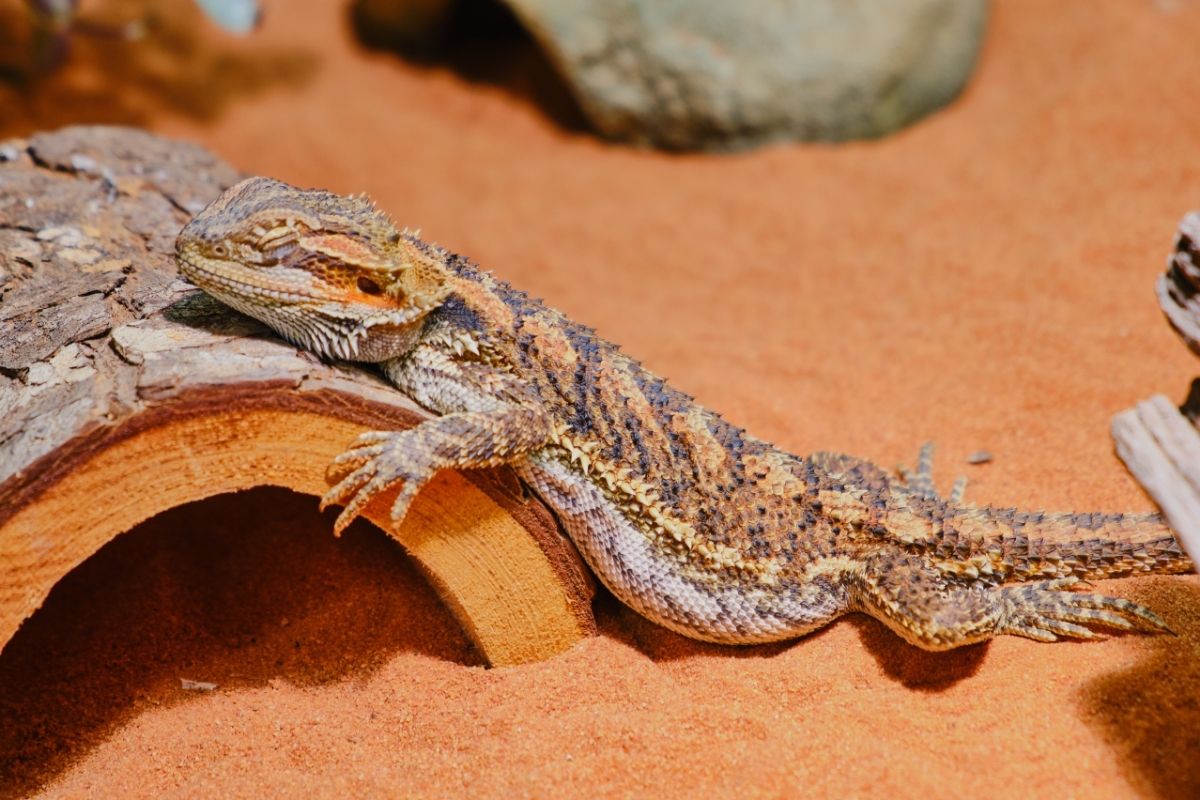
column 721, row 75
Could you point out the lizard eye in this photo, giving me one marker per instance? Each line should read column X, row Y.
column 221, row 250
column 368, row 286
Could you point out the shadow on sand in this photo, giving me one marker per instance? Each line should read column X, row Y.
column 237, row 590
column 1150, row 713
column 483, row 43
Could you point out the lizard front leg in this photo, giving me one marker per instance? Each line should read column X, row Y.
column 489, row 419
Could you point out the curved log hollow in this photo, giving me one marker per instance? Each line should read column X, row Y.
column 502, row 583
column 124, row 392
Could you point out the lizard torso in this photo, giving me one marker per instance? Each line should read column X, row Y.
column 685, row 517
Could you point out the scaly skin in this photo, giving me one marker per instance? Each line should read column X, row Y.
column 686, row 518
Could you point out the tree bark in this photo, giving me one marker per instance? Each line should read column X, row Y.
column 124, row 392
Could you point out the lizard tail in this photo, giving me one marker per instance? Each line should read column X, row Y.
column 1024, row 545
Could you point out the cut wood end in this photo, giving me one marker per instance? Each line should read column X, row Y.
column 502, row 567
column 1161, row 448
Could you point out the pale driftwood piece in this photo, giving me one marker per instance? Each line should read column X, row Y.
column 1157, row 441
column 124, row 392
column 1179, row 286
column 1161, row 448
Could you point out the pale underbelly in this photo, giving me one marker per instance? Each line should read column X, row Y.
column 662, row 585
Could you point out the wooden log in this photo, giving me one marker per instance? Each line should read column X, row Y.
column 124, row 392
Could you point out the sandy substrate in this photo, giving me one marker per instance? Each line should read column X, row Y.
column 983, row 279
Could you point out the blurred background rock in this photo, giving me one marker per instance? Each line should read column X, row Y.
column 673, row 74
column 707, row 74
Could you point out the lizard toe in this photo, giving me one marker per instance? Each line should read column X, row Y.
column 361, row 497
column 348, row 486
column 374, row 438
column 920, row 480
column 353, row 459
column 1061, row 627
column 404, row 500
column 1038, row 634
column 343, row 520
column 1046, row 607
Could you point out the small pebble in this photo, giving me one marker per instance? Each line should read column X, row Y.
column 82, row 163
column 979, row 457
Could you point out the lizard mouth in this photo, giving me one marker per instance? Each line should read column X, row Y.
column 228, row 279
column 286, row 301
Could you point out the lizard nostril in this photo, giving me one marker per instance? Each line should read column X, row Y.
column 368, row 286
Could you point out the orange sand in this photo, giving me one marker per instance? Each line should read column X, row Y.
column 983, row 279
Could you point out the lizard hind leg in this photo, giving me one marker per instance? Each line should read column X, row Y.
column 906, row 593
column 920, row 480
column 934, row 612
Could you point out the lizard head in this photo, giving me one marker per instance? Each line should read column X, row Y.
column 328, row 273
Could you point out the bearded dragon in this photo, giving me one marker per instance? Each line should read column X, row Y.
column 685, row 517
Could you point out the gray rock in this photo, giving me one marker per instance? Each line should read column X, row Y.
column 686, row 75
